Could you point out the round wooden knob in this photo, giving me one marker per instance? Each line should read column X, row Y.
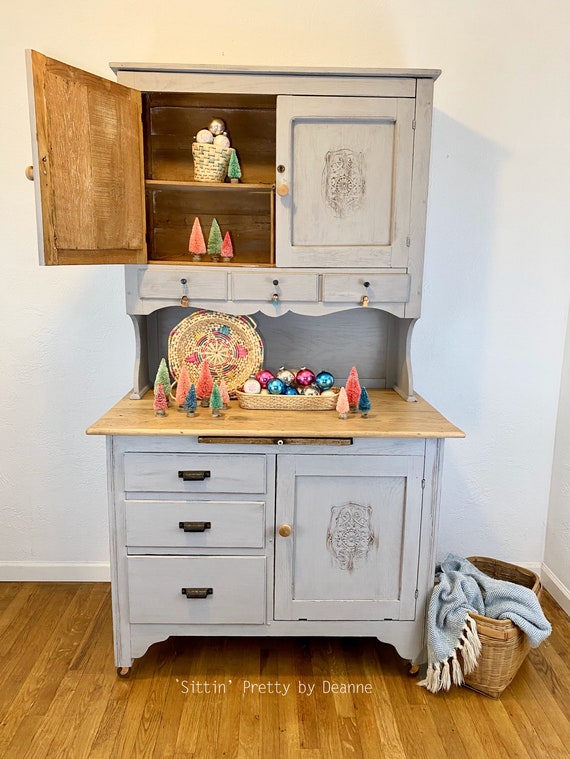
column 285, row 530
column 282, row 190
column 30, row 173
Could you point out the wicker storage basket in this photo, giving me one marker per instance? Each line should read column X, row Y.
column 504, row 645
column 210, row 162
column 288, row 402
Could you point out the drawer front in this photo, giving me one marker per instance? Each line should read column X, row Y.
column 350, row 288
column 165, row 284
column 237, row 586
column 183, row 473
column 196, row 524
column 303, row 287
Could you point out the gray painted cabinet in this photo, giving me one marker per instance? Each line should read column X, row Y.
column 284, row 524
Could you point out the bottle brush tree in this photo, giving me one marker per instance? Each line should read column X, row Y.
column 191, row 402
column 216, row 402
column 160, row 403
column 197, row 244
column 353, row 389
column 204, row 384
column 182, row 387
column 342, row 405
column 364, row 404
column 227, row 252
column 224, row 393
column 234, row 169
column 215, row 241
column 163, row 378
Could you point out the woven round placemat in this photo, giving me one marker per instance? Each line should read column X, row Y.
column 230, row 344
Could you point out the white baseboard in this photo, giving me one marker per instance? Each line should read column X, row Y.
column 556, row 588
column 47, row 571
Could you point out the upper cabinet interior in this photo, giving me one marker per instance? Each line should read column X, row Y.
column 332, row 164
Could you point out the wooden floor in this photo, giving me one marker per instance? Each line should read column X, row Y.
column 60, row 695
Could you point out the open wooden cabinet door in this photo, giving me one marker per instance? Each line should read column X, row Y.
column 88, row 165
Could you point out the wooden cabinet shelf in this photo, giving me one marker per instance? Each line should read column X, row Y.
column 245, row 211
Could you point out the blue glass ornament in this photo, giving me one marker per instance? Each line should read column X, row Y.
column 324, row 380
column 290, row 391
column 275, row 386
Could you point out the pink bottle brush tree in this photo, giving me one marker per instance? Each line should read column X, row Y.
column 182, row 387
column 342, row 405
column 197, row 244
column 353, row 389
column 160, row 403
column 205, row 384
column 227, row 252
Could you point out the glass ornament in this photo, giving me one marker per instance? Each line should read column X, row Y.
column 305, row 377
column 324, row 380
column 217, row 126
column 286, row 375
column 251, row 386
column 263, row 376
column 275, row 386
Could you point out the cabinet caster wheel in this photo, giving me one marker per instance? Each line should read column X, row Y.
column 124, row 672
column 413, row 669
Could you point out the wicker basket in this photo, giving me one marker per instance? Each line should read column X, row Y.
column 504, row 645
column 288, row 402
column 210, row 162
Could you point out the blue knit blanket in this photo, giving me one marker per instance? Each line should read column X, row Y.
column 461, row 590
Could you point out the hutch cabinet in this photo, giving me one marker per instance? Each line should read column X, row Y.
column 257, row 523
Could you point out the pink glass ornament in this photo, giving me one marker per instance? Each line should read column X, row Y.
column 305, row 377
column 263, row 376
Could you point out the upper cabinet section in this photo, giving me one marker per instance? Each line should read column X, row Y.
column 344, row 180
column 333, row 165
column 87, row 145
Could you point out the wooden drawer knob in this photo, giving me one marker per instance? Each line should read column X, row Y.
column 282, row 190
column 285, row 530
column 30, row 173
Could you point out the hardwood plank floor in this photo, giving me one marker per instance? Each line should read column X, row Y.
column 261, row 698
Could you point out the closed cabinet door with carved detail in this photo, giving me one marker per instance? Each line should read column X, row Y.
column 347, row 535
column 343, row 182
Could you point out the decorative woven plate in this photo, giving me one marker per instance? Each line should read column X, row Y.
column 230, row 344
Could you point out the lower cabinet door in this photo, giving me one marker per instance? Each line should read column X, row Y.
column 347, row 537
column 197, row 589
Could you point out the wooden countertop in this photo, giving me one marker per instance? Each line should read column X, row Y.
column 390, row 416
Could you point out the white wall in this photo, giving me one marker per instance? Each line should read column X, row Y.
column 557, row 551
column 488, row 349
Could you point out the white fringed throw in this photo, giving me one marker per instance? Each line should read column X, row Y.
column 461, row 590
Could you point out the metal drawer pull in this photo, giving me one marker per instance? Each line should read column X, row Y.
column 197, row 592
column 193, row 475
column 194, row 526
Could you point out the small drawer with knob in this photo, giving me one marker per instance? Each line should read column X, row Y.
column 194, row 474
column 195, row 524
column 196, row 589
column 289, row 287
column 364, row 289
column 173, row 284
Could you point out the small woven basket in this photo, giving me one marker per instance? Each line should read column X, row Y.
column 504, row 645
column 210, row 162
column 288, row 402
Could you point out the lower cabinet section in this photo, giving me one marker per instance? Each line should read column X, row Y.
column 197, row 590
column 298, row 540
column 352, row 552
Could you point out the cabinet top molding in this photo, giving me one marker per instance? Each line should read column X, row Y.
column 281, row 70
